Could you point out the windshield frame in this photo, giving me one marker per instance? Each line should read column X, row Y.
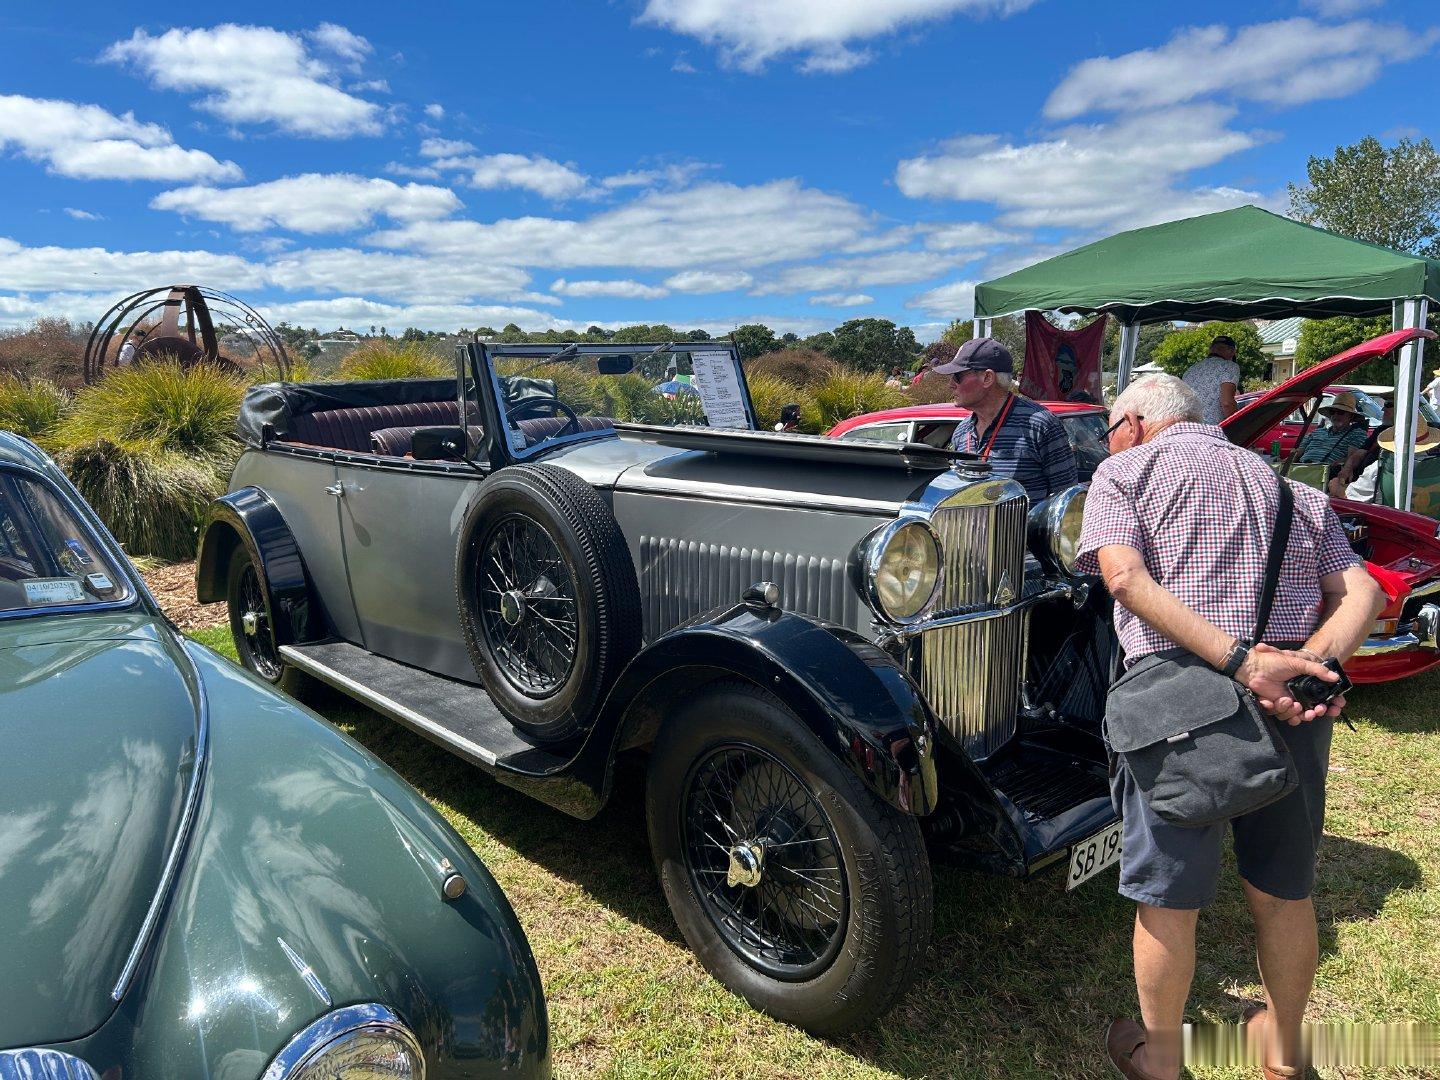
column 100, row 539
column 483, row 355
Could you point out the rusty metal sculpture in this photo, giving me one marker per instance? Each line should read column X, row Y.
column 179, row 322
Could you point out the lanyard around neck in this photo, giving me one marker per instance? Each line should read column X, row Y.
column 994, row 428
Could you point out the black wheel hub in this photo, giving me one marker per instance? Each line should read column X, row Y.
column 528, row 611
column 765, row 862
column 255, row 636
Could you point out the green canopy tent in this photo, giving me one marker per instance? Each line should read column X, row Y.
column 1245, row 263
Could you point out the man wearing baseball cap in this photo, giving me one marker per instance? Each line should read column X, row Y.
column 1018, row 438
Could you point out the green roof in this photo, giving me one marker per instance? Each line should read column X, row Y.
column 1277, row 333
column 1237, row 264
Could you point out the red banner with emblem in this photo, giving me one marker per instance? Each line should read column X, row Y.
column 1062, row 365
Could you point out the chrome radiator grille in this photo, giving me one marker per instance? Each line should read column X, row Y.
column 971, row 673
column 680, row 579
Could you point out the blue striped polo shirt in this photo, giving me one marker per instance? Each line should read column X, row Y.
column 1031, row 447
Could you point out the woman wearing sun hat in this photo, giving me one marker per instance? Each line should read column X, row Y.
column 1433, row 389
column 1368, row 485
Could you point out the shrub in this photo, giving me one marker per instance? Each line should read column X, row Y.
column 32, row 407
column 770, row 393
column 49, row 348
column 1189, row 346
column 849, row 394
column 388, row 359
column 160, row 407
column 799, row 367
column 152, row 500
column 931, row 388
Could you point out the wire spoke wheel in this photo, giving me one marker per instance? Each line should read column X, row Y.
column 528, row 609
column 765, row 862
column 255, row 634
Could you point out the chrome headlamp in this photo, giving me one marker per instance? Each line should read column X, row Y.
column 1055, row 529
column 901, row 568
column 358, row 1042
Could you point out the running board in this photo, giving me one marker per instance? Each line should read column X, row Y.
column 457, row 716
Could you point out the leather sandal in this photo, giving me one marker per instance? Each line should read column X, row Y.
column 1122, row 1039
column 1257, row 1024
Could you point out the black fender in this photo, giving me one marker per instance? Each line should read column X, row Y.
column 857, row 701
column 248, row 516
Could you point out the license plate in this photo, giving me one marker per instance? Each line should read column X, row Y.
column 1089, row 857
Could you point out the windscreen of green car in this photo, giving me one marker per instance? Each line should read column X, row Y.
column 49, row 559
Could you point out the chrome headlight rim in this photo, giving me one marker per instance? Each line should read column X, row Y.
column 315, row 1040
column 873, row 549
column 1062, row 546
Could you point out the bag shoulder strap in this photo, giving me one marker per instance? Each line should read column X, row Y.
column 1279, row 541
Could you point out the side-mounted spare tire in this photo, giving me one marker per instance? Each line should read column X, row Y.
column 548, row 600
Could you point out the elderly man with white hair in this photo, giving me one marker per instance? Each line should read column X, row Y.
column 1178, row 521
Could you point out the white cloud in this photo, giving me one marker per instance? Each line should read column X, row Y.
column 1089, row 176
column 418, row 172
column 843, row 299
column 435, row 111
column 361, row 311
column 750, row 32
column 379, row 86
column 83, row 215
column 957, row 235
column 1280, row 63
column 1339, row 9
column 257, row 75
column 89, row 269
column 89, row 143
column 893, row 268
column 953, row 301
column 708, row 281
column 529, row 172
column 310, row 203
column 714, row 224
column 671, row 175
column 444, row 147
column 339, row 41
column 627, row 290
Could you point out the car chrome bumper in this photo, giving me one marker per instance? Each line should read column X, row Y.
column 1420, row 634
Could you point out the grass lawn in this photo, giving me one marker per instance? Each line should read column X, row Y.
column 1021, row 978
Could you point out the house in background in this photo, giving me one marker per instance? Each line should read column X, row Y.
column 1278, row 341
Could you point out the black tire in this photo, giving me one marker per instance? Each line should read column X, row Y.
column 246, row 595
column 879, row 913
column 547, row 648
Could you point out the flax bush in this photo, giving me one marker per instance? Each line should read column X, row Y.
column 389, row 359
column 151, row 499
column 848, row 394
column 33, row 408
column 770, row 393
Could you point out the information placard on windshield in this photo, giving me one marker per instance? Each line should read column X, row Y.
column 718, row 384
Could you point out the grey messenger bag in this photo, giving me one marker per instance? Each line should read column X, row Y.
column 1197, row 743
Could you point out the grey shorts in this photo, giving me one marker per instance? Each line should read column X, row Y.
column 1171, row 866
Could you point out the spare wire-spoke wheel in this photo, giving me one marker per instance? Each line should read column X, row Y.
column 547, row 596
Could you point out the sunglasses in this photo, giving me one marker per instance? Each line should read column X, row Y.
column 1116, row 425
column 959, row 376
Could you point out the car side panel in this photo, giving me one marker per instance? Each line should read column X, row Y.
column 401, row 531
column 305, row 838
column 297, row 487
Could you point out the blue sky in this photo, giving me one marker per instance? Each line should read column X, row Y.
column 694, row 162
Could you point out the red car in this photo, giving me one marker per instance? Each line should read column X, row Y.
column 1401, row 550
column 1371, row 399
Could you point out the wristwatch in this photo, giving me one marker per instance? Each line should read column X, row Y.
column 1235, row 658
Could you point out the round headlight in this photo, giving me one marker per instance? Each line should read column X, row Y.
column 1063, row 517
column 903, row 569
column 358, row 1042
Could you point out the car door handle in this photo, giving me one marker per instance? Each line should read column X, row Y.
column 337, row 489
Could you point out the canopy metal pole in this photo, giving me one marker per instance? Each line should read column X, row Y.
column 982, row 327
column 1129, row 346
column 1407, row 314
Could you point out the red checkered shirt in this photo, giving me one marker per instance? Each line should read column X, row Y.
column 1201, row 511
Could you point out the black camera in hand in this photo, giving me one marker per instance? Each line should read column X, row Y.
column 1311, row 690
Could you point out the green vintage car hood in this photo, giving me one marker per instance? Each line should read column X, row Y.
column 99, row 724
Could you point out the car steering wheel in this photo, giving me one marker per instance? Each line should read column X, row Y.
column 533, row 404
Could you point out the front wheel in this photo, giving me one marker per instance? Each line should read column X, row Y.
column 796, row 886
column 251, row 626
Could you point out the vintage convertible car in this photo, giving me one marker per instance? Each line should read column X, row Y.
column 1401, row 549
column 837, row 654
column 198, row 877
